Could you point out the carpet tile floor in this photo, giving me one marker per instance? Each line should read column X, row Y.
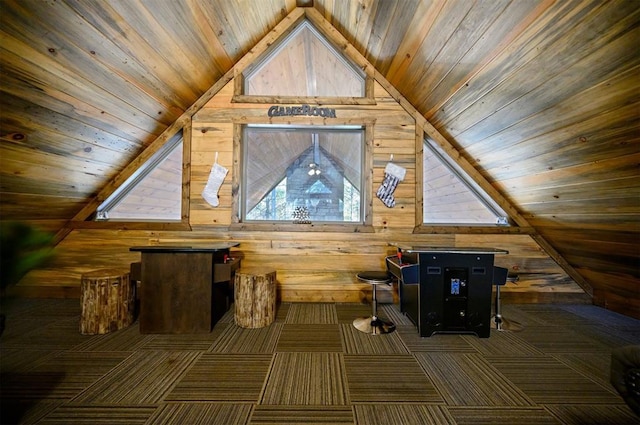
column 311, row 366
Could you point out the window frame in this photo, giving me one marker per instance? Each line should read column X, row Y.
column 180, row 135
column 472, row 187
column 240, row 96
column 425, row 144
column 135, row 179
column 366, row 194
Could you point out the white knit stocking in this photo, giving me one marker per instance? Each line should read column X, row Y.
column 216, row 177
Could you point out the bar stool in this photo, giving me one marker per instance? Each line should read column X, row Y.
column 502, row 324
column 372, row 324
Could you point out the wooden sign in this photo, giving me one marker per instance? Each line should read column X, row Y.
column 312, row 111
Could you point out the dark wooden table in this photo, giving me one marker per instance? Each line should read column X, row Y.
column 184, row 289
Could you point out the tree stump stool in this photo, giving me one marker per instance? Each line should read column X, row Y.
column 107, row 299
column 255, row 298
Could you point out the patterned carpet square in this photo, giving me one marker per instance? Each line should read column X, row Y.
column 547, row 380
column 223, row 377
column 502, row 415
column 469, row 380
column 145, row 377
column 98, row 415
column 553, row 315
column 127, row 339
column 235, row 339
column 357, row 342
column 201, row 414
column 62, row 375
column 595, row 314
column 310, row 338
column 312, row 314
column 14, row 360
column 228, row 316
column 346, row 313
column 393, row 314
column 27, row 411
column 388, row 379
column 302, row 415
column 609, row 336
column 554, row 339
column 597, row 366
column 438, row 342
column 502, row 344
column 306, row 379
column 173, row 342
column 60, row 334
column 514, row 313
column 587, row 414
column 402, row 414
column 282, row 311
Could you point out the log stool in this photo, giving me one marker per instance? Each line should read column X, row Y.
column 255, row 298
column 107, row 300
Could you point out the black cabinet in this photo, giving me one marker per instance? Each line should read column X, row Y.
column 453, row 290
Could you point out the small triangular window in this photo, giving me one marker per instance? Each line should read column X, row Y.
column 451, row 197
column 304, row 64
column 153, row 192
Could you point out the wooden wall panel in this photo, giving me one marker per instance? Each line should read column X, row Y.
column 311, row 266
column 540, row 96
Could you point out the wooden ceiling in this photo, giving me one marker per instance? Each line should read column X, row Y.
column 541, row 96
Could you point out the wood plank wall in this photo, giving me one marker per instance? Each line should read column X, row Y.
column 311, row 266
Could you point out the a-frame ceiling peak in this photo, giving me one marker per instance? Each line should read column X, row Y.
column 286, row 25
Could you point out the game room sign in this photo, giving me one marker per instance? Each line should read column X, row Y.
column 312, row 111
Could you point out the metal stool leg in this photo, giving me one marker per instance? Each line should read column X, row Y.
column 501, row 323
column 372, row 324
column 498, row 316
column 374, row 304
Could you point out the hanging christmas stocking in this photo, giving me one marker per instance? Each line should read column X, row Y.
column 216, row 177
column 393, row 174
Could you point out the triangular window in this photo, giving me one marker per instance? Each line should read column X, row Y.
column 304, row 64
column 153, row 192
column 451, row 197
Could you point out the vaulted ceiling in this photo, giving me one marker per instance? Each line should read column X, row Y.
column 540, row 96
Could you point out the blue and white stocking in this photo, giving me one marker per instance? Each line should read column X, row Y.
column 386, row 189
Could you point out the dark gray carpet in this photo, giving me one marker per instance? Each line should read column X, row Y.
column 312, row 366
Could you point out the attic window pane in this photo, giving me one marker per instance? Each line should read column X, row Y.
column 153, row 193
column 303, row 173
column 451, row 197
column 304, row 65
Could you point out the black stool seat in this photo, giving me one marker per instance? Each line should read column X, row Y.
column 374, row 277
column 372, row 324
